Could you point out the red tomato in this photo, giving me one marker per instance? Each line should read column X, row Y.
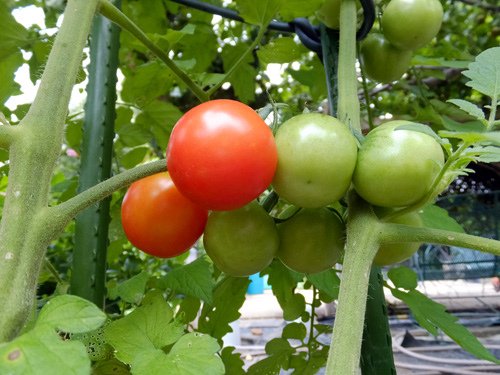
column 158, row 219
column 221, row 155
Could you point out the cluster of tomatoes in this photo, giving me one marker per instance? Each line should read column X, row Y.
column 406, row 25
column 222, row 156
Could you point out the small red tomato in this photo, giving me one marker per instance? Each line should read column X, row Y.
column 158, row 219
column 221, row 155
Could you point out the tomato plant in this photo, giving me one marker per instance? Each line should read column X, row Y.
column 396, row 167
column 382, row 61
column 311, row 241
column 221, row 154
column 329, row 14
column 397, row 252
column 158, row 219
column 411, row 24
column 316, row 159
column 241, row 242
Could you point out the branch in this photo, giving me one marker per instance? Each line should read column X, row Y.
column 63, row 213
column 394, row 233
column 8, row 134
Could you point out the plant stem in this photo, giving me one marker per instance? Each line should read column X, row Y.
column 493, row 113
column 50, row 267
column 59, row 216
column 8, row 134
column 362, row 245
column 33, row 155
column 394, row 233
column 114, row 14
column 348, row 103
column 238, row 62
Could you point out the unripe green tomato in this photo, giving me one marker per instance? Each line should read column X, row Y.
column 411, row 24
column 329, row 14
column 316, row 159
column 397, row 252
column 241, row 242
column 311, row 241
column 382, row 62
column 396, row 168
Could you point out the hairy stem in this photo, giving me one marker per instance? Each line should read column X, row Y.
column 361, row 247
column 111, row 12
column 8, row 135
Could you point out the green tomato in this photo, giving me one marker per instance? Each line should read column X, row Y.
column 241, row 242
column 397, row 252
column 382, row 62
column 329, row 14
column 396, row 168
column 316, row 159
column 411, row 24
column 311, row 241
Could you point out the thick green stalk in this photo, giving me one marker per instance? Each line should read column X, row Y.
column 348, row 106
column 362, row 245
column 91, row 226
column 7, row 135
column 33, row 155
column 114, row 14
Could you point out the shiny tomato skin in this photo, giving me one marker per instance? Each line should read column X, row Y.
column 382, row 62
column 393, row 253
column 316, row 159
column 221, row 155
column 396, row 168
column 158, row 219
column 411, row 24
column 241, row 242
column 311, row 241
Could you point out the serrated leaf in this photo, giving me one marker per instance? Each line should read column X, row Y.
column 228, row 297
column 71, row 314
column 403, row 277
column 311, row 75
column 295, row 331
column 433, row 316
column 194, row 279
column 243, row 78
column 133, row 156
column 487, row 154
column 474, row 138
column 283, row 282
column 147, row 328
column 299, row 8
column 42, row 351
column 468, row 126
column 280, row 352
column 131, row 290
column 484, row 72
column 327, row 282
column 232, row 361
column 8, row 67
column 468, row 107
column 192, row 354
column 259, row 12
column 146, row 82
column 436, row 217
column 280, row 51
column 12, row 34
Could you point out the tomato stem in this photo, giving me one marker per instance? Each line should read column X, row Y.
column 8, row 135
column 366, row 94
column 362, row 245
column 115, row 15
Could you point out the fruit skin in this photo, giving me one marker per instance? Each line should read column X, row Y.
column 158, row 219
column 241, row 242
column 311, row 241
column 316, row 159
column 411, row 24
column 397, row 252
column 221, row 155
column 383, row 62
column 396, row 168
column 329, row 14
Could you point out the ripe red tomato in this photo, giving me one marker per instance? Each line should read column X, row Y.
column 221, row 155
column 158, row 219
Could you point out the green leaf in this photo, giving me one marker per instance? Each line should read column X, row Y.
column 468, row 126
column 133, row 156
column 327, row 282
column 436, row 217
column 194, row 279
column 71, row 314
column 259, row 12
column 440, row 61
column 487, row 154
column 468, row 107
column 8, row 67
column 232, row 361
column 281, row 50
column 312, row 76
column 283, row 282
column 110, row 367
column 147, row 328
column 421, row 128
column 12, row 34
column 299, row 8
column 433, row 316
column 280, row 352
column 243, row 78
column 484, row 72
column 403, row 277
column 146, row 82
column 295, row 331
column 42, row 351
column 228, row 297
column 193, row 354
column 131, row 290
